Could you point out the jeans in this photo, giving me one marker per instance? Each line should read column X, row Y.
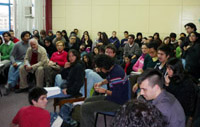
column 59, row 81
column 13, row 74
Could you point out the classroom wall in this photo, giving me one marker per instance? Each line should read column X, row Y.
column 146, row 16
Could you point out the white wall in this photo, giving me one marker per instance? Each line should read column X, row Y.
column 22, row 23
column 146, row 16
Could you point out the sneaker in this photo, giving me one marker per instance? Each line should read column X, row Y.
column 22, row 90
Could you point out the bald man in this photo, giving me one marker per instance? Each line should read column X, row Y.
column 34, row 61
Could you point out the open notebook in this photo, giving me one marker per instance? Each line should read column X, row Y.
column 55, row 92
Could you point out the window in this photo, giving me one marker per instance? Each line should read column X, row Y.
column 6, row 15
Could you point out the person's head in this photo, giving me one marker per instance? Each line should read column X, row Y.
column 190, row 27
column 58, row 35
column 104, row 62
column 35, row 32
column 182, row 35
column 96, row 50
column 150, row 39
column 104, row 36
column 60, row 45
column 42, row 33
column 25, row 36
column 50, row 33
column 167, row 40
column 153, row 46
column 38, row 97
column 12, row 33
column 173, row 37
column 111, row 50
column 86, row 37
column 73, row 56
column 180, row 40
column 47, row 42
column 156, row 36
column 114, row 33
column 99, row 35
column 102, row 49
column 126, row 34
column 164, row 52
column 175, row 69
column 34, row 44
column 193, row 36
column 1, row 40
column 85, row 33
column 72, row 39
column 76, row 31
column 145, row 49
column 36, row 36
column 82, row 47
column 145, row 40
column 131, row 38
column 6, row 36
column 127, row 58
column 138, row 113
column 64, row 33
column 151, row 83
column 139, row 36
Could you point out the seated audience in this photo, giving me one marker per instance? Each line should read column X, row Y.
column 178, row 83
column 17, row 59
column 151, row 59
column 83, row 36
column 82, row 50
column 35, row 32
column 5, row 50
column 104, row 39
column 50, row 48
column 42, row 36
column 64, row 34
column 138, row 39
column 114, row 40
column 111, row 50
column 137, row 67
column 55, row 64
column 97, row 40
column 163, row 55
column 132, row 48
column 13, row 38
column 125, row 40
column 127, row 65
column 73, row 74
column 34, row 115
column 178, row 48
column 88, row 42
column 34, row 61
column 151, row 85
column 51, row 35
column 58, row 37
column 73, row 44
column 87, row 60
column 138, row 114
column 156, row 37
column 116, row 96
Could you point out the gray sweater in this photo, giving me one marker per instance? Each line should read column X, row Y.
column 134, row 50
column 18, row 52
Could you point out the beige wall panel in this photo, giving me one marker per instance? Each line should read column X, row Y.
column 165, row 2
column 191, row 12
column 78, row 17
column 58, row 2
column 105, row 18
column 165, row 19
column 58, row 23
column 58, row 11
column 134, row 2
column 191, row 2
column 134, row 18
column 78, row 2
column 105, row 2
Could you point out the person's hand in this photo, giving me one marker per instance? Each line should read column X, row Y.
column 133, row 56
column 64, row 91
column 97, row 85
column 67, row 65
column 28, row 68
column 97, row 69
column 100, row 43
column 140, row 70
column 51, row 63
column 167, row 80
column 135, row 87
column 15, row 65
column 100, row 90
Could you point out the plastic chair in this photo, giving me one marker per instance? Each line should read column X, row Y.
column 112, row 114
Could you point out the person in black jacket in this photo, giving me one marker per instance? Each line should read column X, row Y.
column 50, row 48
column 73, row 73
column 192, row 56
column 181, row 85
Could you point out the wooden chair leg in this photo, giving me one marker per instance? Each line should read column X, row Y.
column 95, row 123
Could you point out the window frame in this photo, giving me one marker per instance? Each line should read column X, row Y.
column 9, row 14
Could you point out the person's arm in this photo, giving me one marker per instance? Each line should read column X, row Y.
column 42, row 60
column 12, row 54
